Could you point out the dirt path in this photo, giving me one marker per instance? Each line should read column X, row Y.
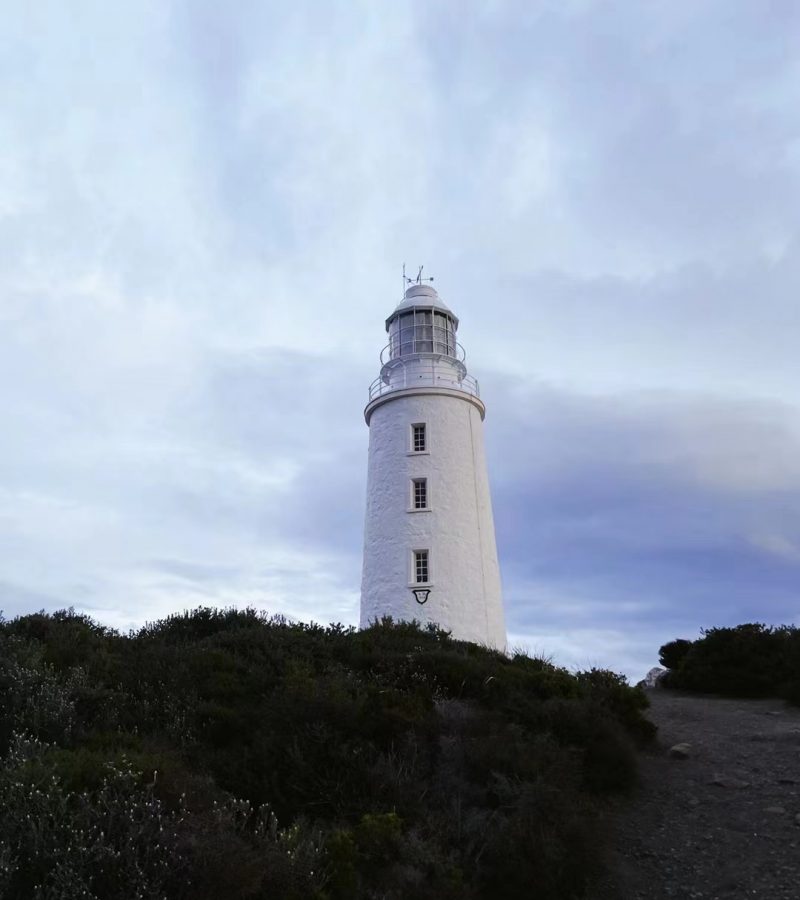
column 723, row 823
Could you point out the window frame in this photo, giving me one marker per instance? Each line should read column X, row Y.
column 417, row 495
column 415, row 568
column 412, row 443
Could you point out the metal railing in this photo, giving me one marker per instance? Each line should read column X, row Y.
column 422, row 346
column 398, row 376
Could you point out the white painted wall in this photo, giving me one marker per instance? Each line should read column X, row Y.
column 466, row 596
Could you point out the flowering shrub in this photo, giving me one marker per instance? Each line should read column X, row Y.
column 57, row 843
column 35, row 698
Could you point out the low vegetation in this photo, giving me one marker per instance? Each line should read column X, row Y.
column 750, row 660
column 227, row 754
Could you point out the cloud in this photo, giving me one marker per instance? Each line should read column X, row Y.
column 666, row 513
column 693, row 329
column 669, row 130
column 237, row 488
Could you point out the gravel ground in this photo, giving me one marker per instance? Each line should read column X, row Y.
column 723, row 822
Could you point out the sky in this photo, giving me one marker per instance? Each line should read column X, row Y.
column 204, row 212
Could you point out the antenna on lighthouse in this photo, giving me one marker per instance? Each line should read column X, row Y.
column 418, row 280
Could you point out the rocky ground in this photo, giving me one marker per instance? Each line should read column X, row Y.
column 720, row 819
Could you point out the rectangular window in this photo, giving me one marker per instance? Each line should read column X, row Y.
column 443, row 335
column 420, row 493
column 418, row 441
column 423, row 332
column 421, row 574
column 407, row 334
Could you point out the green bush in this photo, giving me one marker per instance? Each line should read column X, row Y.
column 226, row 753
column 751, row 660
column 671, row 655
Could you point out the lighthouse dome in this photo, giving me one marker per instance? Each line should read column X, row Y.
column 422, row 297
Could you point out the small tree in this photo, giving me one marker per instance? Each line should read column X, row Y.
column 671, row 655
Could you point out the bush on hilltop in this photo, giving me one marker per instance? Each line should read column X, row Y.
column 751, row 660
column 671, row 655
column 223, row 753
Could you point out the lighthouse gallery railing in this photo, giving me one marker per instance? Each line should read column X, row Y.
column 423, row 370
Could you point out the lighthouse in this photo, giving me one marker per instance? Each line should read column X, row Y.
column 429, row 545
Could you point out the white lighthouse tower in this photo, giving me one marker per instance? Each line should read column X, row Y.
column 429, row 546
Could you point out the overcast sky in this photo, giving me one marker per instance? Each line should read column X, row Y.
column 204, row 210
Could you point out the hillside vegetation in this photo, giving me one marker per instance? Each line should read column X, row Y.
column 225, row 754
column 751, row 660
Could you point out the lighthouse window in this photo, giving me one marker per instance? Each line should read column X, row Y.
column 443, row 334
column 421, row 566
column 423, row 331
column 418, row 438
column 420, row 497
column 407, row 333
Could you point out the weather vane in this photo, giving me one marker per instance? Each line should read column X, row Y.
column 418, row 280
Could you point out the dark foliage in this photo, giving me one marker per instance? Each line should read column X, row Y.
column 671, row 655
column 224, row 753
column 750, row 660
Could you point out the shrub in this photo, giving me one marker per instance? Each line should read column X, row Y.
column 750, row 660
column 671, row 655
column 227, row 753
column 114, row 841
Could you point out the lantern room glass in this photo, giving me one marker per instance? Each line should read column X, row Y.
column 422, row 331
